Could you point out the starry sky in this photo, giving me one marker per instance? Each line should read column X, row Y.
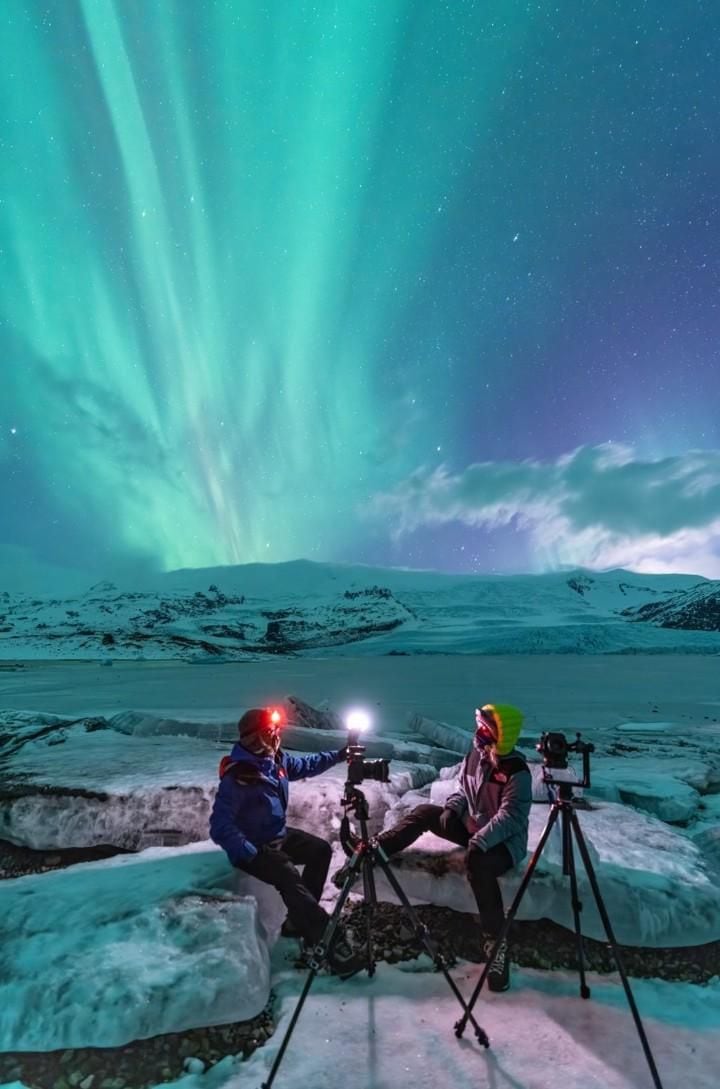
column 428, row 284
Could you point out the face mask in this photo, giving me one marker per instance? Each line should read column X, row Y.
column 484, row 735
column 267, row 743
column 483, row 739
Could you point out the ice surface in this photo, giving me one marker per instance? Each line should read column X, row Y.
column 441, row 734
column 397, row 1030
column 103, row 953
column 111, row 788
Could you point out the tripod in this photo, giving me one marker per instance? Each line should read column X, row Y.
column 562, row 807
column 365, row 855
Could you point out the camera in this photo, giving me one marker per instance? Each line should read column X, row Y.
column 554, row 748
column 360, row 769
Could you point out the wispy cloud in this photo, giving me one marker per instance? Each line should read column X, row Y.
column 599, row 506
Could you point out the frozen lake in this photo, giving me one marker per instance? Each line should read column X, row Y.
column 564, row 691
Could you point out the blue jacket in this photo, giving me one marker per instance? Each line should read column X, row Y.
column 252, row 799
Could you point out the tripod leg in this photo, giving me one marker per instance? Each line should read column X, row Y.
column 421, row 932
column 569, row 860
column 319, row 954
column 293, row 1021
column 587, row 862
column 370, row 895
column 460, row 1025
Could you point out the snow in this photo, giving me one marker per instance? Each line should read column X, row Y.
column 397, row 1029
column 104, row 953
column 247, row 612
column 150, row 943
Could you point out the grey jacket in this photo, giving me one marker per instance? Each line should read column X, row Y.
column 496, row 800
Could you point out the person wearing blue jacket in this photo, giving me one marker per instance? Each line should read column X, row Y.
column 248, row 821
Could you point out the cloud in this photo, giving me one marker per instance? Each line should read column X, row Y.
column 598, row 506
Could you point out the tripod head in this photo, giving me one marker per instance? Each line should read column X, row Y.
column 554, row 748
column 353, row 801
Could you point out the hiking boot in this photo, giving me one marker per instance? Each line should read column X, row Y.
column 340, row 876
column 289, row 930
column 343, row 960
column 498, row 977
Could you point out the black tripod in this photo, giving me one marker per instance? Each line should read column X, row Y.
column 365, row 854
column 562, row 806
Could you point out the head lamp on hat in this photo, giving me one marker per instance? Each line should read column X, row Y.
column 259, row 730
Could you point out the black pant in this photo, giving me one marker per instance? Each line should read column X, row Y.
column 275, row 864
column 483, row 867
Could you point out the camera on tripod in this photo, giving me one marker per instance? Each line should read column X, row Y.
column 554, row 748
column 360, row 769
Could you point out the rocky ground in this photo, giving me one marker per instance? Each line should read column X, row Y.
column 145, row 1063
column 18, row 861
column 138, row 1064
column 535, row 944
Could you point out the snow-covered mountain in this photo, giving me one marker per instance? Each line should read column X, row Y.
column 697, row 608
column 261, row 609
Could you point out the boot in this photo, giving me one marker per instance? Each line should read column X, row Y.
column 343, row 960
column 498, row 978
column 340, row 876
column 289, row 930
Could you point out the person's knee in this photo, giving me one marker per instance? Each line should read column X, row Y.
column 424, row 814
column 323, row 850
column 477, row 862
column 285, row 878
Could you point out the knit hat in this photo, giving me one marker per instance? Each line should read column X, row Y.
column 259, row 732
column 506, row 723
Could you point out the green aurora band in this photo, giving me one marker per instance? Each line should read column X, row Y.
column 216, row 218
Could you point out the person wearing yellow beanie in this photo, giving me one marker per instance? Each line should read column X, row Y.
column 503, row 722
column 488, row 814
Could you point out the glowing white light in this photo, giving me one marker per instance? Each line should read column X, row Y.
column 357, row 721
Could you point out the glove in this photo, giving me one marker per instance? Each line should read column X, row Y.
column 250, row 863
column 476, row 842
column 342, row 755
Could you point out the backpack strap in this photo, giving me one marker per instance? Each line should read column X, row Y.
column 247, row 774
column 242, row 771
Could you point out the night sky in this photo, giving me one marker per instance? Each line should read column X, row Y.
column 402, row 282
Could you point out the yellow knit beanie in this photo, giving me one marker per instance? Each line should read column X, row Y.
column 508, row 721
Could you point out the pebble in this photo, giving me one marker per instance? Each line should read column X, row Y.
column 194, row 1066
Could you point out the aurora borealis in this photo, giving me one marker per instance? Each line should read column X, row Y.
column 387, row 281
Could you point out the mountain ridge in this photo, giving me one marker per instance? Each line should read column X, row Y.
column 249, row 611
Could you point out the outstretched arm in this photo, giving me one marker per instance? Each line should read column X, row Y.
column 304, row 767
